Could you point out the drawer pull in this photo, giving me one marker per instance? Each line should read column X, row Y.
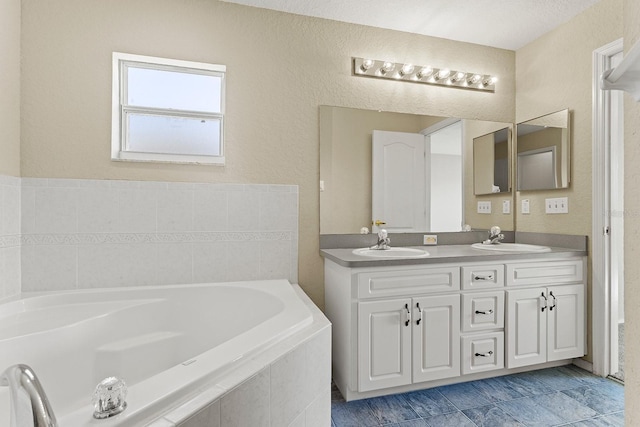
column 419, row 312
column 545, row 301
column 406, row 323
column 479, row 278
column 555, row 301
column 484, row 312
column 487, row 354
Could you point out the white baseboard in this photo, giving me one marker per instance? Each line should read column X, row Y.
column 583, row 364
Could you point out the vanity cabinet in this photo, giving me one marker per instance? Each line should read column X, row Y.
column 407, row 327
column 545, row 324
column 401, row 341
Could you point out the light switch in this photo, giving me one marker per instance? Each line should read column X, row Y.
column 484, row 207
column 506, row 206
column 559, row 205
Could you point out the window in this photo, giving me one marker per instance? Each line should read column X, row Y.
column 167, row 110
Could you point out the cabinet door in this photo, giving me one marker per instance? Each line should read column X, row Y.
column 566, row 322
column 384, row 344
column 526, row 327
column 436, row 337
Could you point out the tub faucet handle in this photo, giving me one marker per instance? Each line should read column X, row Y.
column 109, row 398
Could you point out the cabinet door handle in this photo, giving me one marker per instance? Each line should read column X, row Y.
column 484, row 312
column 478, row 278
column 555, row 301
column 487, row 354
column 419, row 312
column 545, row 301
column 408, row 321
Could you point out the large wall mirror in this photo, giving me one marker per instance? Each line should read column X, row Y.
column 491, row 162
column 543, row 152
column 412, row 172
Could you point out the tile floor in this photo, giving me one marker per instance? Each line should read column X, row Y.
column 563, row 396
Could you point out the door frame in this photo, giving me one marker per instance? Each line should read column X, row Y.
column 437, row 127
column 603, row 297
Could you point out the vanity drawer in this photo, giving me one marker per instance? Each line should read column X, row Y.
column 482, row 276
column 545, row 272
column 482, row 311
column 482, row 352
column 408, row 282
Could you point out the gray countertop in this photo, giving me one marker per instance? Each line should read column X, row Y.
column 444, row 254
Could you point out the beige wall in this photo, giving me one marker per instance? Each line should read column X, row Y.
column 632, row 228
column 10, row 87
column 280, row 69
column 554, row 73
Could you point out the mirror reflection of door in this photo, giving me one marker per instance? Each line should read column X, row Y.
column 428, row 168
column 398, row 171
column 537, row 169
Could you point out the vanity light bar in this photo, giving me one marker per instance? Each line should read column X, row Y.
column 420, row 74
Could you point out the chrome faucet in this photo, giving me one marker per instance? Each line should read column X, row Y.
column 383, row 241
column 494, row 236
column 29, row 403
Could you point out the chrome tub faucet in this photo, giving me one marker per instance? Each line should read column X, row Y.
column 29, row 403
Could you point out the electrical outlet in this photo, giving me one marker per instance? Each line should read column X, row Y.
column 430, row 239
column 506, row 206
column 484, row 207
column 525, row 206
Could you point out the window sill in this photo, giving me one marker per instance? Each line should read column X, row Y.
column 125, row 156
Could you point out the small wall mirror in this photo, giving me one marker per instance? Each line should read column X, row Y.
column 543, row 153
column 491, row 154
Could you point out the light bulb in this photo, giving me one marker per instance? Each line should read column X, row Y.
column 424, row 72
column 474, row 79
column 366, row 64
column 458, row 76
column 406, row 69
column 387, row 67
column 443, row 74
column 489, row 80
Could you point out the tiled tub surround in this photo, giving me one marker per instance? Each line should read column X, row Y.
column 102, row 233
column 9, row 236
column 289, row 384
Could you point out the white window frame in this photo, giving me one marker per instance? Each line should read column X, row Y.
column 119, row 150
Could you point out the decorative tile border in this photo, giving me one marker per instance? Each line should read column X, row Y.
column 10, row 241
column 127, row 238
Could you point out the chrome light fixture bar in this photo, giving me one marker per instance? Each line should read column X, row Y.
column 423, row 74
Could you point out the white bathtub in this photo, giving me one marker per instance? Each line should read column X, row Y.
column 166, row 342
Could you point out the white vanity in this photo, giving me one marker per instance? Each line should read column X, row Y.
column 456, row 315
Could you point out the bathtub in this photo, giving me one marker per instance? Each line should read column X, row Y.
column 167, row 342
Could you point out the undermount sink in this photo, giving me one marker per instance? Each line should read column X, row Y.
column 391, row 253
column 511, row 247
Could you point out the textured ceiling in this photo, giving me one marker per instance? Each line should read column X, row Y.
column 506, row 24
